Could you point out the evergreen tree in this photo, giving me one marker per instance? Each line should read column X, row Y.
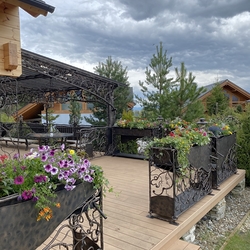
column 217, row 102
column 185, row 103
column 122, row 95
column 75, row 111
column 243, row 140
column 157, row 87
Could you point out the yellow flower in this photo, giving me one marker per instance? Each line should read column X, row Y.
column 72, row 151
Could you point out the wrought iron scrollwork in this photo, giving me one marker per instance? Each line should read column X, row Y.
column 83, row 230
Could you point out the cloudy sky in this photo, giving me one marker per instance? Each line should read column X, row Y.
column 212, row 37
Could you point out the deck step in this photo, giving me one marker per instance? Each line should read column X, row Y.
column 183, row 245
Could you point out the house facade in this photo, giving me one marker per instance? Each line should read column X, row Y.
column 236, row 95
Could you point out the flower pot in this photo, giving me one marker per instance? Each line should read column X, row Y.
column 224, row 158
column 20, row 229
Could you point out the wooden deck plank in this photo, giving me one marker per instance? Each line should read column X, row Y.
column 183, row 245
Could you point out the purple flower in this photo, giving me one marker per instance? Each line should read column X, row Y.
column 48, row 168
column 62, row 147
column 19, row 180
column 40, row 178
column 54, row 171
column 16, row 156
column 23, row 167
column 60, row 176
column 86, row 162
column 27, row 195
column 19, row 197
column 88, row 178
column 52, row 152
column 69, row 187
column 41, row 148
column 71, row 181
column 35, row 198
column 44, row 157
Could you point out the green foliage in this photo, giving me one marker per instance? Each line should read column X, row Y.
column 185, row 96
column 127, row 115
column 243, row 140
column 129, row 147
column 75, row 111
column 193, row 111
column 6, row 118
column 156, row 89
column 122, row 95
column 50, row 117
column 182, row 137
column 166, row 97
column 217, row 102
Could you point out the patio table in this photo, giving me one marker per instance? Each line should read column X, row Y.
column 44, row 138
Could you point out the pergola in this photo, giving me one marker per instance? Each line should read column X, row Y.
column 45, row 80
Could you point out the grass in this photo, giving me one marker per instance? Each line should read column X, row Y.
column 239, row 241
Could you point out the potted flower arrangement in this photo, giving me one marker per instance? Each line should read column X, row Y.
column 181, row 139
column 127, row 130
column 43, row 185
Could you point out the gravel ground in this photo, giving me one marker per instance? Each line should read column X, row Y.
column 212, row 233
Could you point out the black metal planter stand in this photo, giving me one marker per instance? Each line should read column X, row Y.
column 127, row 135
column 172, row 193
column 224, row 160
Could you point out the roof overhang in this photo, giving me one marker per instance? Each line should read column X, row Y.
column 33, row 7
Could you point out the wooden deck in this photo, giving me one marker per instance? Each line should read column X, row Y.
column 128, row 226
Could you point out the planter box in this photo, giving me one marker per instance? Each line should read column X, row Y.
column 20, row 229
column 171, row 193
column 126, row 135
column 224, row 161
column 134, row 132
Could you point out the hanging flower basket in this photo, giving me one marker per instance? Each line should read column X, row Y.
column 20, row 229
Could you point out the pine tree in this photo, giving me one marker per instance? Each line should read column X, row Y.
column 217, row 102
column 185, row 103
column 122, row 95
column 157, row 87
column 75, row 111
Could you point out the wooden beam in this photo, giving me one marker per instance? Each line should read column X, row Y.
column 10, row 56
column 34, row 11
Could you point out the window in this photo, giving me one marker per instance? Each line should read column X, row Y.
column 90, row 105
column 235, row 98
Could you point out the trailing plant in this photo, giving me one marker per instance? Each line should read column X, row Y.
column 37, row 175
column 181, row 138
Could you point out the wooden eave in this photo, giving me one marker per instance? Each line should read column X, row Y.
column 233, row 86
column 33, row 7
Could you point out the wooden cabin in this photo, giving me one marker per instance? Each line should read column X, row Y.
column 10, row 42
column 236, row 95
